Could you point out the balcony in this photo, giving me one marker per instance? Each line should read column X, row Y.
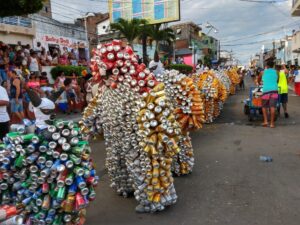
column 296, row 8
column 17, row 25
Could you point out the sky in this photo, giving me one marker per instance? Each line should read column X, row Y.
column 243, row 27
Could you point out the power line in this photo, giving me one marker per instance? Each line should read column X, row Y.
column 263, row 33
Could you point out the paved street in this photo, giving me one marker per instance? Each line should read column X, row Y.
column 229, row 184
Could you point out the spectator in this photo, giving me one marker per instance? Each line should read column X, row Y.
column 44, row 58
column 49, row 58
column 38, row 48
column 11, row 55
column 45, row 84
column 297, row 81
column 3, row 65
column 62, row 101
column 72, row 58
column 33, row 81
column 4, row 117
column 269, row 81
column 16, row 96
column 55, row 59
column 71, row 97
column 156, row 66
column 283, row 88
column 27, row 49
column 88, row 89
column 34, row 64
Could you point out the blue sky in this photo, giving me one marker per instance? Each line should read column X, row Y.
column 239, row 22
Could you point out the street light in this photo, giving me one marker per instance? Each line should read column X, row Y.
column 211, row 27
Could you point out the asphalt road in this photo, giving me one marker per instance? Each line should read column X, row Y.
column 229, row 185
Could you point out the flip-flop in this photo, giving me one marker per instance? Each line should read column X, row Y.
column 272, row 126
column 264, row 124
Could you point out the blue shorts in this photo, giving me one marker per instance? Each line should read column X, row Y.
column 3, row 75
column 16, row 107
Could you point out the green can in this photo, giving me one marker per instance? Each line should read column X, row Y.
column 61, row 193
column 76, row 160
column 19, row 161
column 58, row 220
column 78, row 150
column 78, row 171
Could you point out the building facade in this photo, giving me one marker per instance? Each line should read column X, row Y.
column 53, row 34
column 193, row 45
column 17, row 29
column 91, row 25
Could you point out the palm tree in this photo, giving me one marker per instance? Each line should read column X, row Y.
column 130, row 29
column 159, row 35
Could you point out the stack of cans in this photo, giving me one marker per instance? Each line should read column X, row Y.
column 48, row 175
column 208, row 86
column 234, row 78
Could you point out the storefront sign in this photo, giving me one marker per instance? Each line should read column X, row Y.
column 60, row 41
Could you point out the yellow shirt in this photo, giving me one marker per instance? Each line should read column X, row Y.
column 283, row 83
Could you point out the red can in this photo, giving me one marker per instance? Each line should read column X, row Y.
column 80, row 203
column 7, row 212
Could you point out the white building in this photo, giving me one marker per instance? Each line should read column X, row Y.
column 103, row 27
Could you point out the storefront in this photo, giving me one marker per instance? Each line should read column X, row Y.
column 52, row 42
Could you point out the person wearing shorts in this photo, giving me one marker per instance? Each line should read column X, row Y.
column 269, row 81
column 283, row 88
column 16, row 96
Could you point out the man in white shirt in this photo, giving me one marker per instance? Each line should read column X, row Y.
column 4, row 117
column 156, row 66
column 44, row 107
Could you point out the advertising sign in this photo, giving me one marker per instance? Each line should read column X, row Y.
column 155, row 11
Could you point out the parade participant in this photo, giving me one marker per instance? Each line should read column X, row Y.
column 4, row 117
column 43, row 107
column 269, row 80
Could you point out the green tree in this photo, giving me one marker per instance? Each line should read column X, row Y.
column 20, row 7
column 155, row 33
column 129, row 29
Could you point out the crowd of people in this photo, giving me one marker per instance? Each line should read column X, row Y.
column 21, row 71
column 28, row 59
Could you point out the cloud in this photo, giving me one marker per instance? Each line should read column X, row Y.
column 234, row 19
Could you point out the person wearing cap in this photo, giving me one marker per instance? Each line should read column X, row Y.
column 43, row 107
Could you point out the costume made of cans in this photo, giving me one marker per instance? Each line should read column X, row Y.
column 234, row 78
column 188, row 109
column 136, row 118
column 213, row 94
